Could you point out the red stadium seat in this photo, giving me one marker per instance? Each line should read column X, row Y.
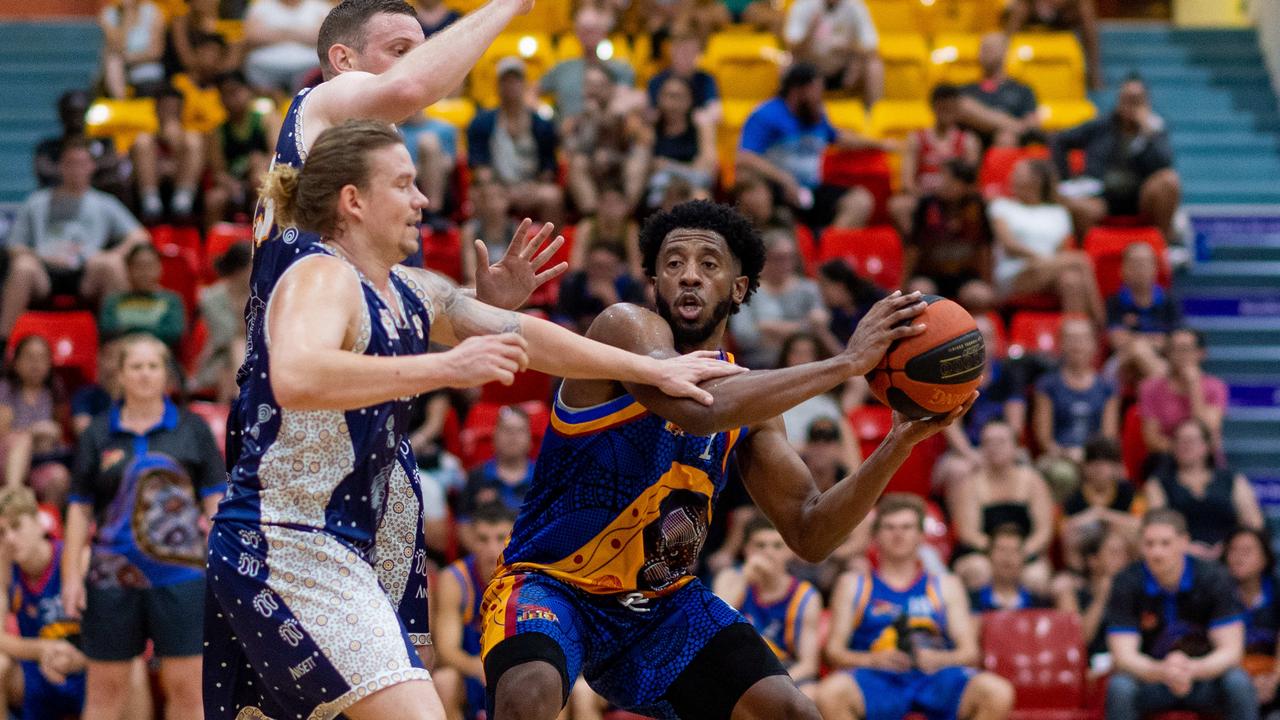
column 528, row 385
column 220, row 238
column 1133, row 447
column 192, row 344
column 1034, row 332
column 807, row 247
column 1042, row 653
column 73, row 337
column 1105, row 246
column 182, row 236
column 871, row 423
column 861, row 168
column 998, row 164
column 215, row 414
column 1001, row 348
column 477, row 431
column 180, row 272
column 548, row 294
column 442, row 252
column 875, row 252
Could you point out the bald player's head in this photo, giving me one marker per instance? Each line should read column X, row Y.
column 367, row 35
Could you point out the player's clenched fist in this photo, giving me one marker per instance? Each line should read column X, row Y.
column 488, row 358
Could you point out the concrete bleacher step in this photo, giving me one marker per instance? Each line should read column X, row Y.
column 1229, row 331
column 1233, row 274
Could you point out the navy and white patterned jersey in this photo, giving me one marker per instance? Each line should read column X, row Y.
column 331, row 470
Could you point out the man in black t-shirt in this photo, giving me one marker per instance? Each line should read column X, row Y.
column 1175, row 631
column 999, row 108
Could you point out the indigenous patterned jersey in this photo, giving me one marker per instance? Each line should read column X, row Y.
column 779, row 622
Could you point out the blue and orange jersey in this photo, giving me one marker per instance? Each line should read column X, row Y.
column 620, row 500
column 883, row 615
column 779, row 622
column 37, row 603
column 473, row 584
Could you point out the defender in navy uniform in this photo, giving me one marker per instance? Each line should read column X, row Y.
column 297, row 620
column 598, row 577
column 377, row 64
column 30, row 575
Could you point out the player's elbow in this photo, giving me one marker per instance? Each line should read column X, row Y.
column 291, row 386
column 811, row 549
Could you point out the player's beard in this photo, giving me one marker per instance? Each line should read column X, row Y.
column 686, row 336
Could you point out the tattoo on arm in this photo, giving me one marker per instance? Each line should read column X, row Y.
column 466, row 316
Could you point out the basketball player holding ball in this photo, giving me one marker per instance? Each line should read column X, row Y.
column 597, row 578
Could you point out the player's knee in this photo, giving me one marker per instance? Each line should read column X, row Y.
column 993, row 693
column 796, row 706
column 530, row 691
column 834, row 695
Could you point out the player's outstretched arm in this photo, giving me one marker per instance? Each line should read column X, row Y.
column 759, row 395
column 815, row 523
column 557, row 351
column 312, row 323
column 423, row 76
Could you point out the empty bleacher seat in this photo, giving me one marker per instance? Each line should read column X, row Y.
column 220, row 239
column 1042, row 653
column 1059, row 115
column 954, row 59
column 1033, row 331
column 959, row 16
column 180, row 272
column 906, row 66
column 442, row 252
column 865, row 168
column 747, row 66
column 997, row 166
column 896, row 119
column 874, row 252
column 1051, row 63
column 895, row 16
column 72, row 336
column 477, row 431
column 847, row 114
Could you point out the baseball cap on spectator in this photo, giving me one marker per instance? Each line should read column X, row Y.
column 510, row 64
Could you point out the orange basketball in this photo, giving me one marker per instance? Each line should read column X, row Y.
column 933, row 372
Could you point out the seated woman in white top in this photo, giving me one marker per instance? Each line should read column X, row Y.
column 1033, row 254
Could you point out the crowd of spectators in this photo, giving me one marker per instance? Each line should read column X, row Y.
column 1033, row 489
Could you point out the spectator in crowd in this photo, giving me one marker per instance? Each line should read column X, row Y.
column 433, row 147
column 603, row 281
column 1005, row 591
column 916, row 650
column 222, row 309
column 685, row 51
column 1104, row 552
column 847, row 296
column 52, row 667
column 1074, row 401
column 566, row 80
column 760, row 15
column 93, row 399
column 612, row 227
column 840, row 39
column 1185, row 392
column 820, row 418
column 145, row 306
column 111, row 173
column 1212, row 499
column 148, row 476
column 786, row 303
column 435, row 15
column 1174, row 630
column 514, row 146
column 1140, row 317
column 281, row 39
column 1032, row 231
column 949, row 239
column 1104, row 499
column 490, row 223
column 608, row 140
column 33, row 419
column 783, row 141
column 753, row 197
column 928, row 150
column 1252, row 565
column 240, row 150
column 133, row 46
column 700, row 18
column 1000, row 109
column 202, row 108
column 186, row 29
column 1128, row 167
column 684, row 144
column 1001, row 492
column 1077, row 16
column 781, row 607
column 505, row 478
column 58, row 241
column 174, row 156
column 455, row 620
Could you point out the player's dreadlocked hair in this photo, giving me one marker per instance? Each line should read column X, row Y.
column 744, row 240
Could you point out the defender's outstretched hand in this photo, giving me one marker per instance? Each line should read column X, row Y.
column 884, row 323
column 680, row 376
column 509, row 282
column 915, row 431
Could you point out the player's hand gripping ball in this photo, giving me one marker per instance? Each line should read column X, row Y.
column 933, row 372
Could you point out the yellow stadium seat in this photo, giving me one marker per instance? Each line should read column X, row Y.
column 1051, row 63
column 906, row 67
column 747, row 65
column 458, row 112
column 551, row 18
column 464, row 6
column 895, row 16
column 895, row 119
column 847, row 115
column 954, row 59
column 1062, row 114
column 733, row 117
column 617, row 47
column 534, row 49
column 121, row 120
column 231, row 30
column 959, row 16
